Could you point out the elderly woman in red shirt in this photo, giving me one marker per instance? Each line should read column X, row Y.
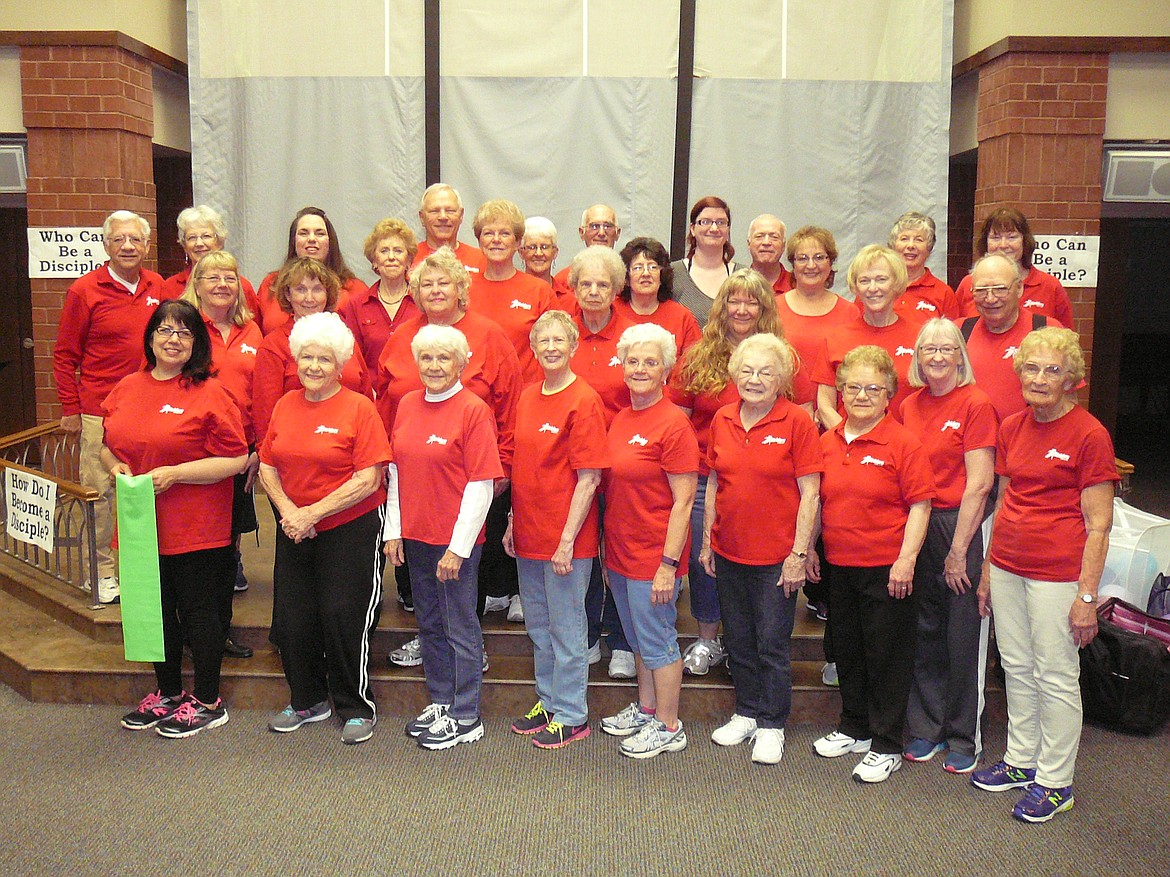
column 875, row 496
column 322, row 464
column 387, row 304
column 176, row 423
column 561, row 449
column 763, row 452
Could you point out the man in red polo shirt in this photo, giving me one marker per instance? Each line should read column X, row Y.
column 767, row 236
column 99, row 342
column 599, row 227
column 441, row 214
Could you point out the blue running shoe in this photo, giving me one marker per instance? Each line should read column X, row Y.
column 1040, row 804
column 957, row 763
column 1001, row 776
column 922, row 750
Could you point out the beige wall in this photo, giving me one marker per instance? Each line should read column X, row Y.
column 1138, row 105
column 172, row 110
column 964, row 101
column 11, row 114
column 161, row 24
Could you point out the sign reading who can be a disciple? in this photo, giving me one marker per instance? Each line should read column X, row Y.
column 64, row 252
column 29, row 502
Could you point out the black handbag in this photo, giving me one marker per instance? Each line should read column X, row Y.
column 1159, row 605
column 1125, row 674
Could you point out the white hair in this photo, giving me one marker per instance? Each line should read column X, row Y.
column 326, row 330
column 124, row 216
column 445, row 339
column 541, row 227
column 649, row 333
column 434, row 189
column 1017, row 269
column 202, row 215
column 779, row 221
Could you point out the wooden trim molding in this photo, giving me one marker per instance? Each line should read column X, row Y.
column 1064, row 45
column 113, row 38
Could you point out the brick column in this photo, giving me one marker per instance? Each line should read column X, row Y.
column 1041, row 126
column 89, row 111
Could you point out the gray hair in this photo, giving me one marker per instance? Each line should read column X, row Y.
column 555, row 316
column 585, row 212
column 938, row 330
column 649, row 333
column 202, row 215
column 1017, row 269
column 434, row 189
column 912, row 220
column 541, row 227
column 445, row 339
column 125, row 216
column 603, row 256
column 779, row 221
column 325, row 329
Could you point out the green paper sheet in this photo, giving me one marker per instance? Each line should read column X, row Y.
column 142, row 632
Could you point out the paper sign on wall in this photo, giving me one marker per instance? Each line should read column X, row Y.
column 64, row 252
column 1070, row 258
column 30, row 501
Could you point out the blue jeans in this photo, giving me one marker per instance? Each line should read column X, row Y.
column 448, row 628
column 757, row 633
column 554, row 613
column 649, row 626
column 704, row 596
column 599, row 608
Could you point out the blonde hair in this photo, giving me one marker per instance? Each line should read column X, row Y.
column 1064, row 342
column 870, row 254
column 240, row 313
column 445, row 260
column 874, row 357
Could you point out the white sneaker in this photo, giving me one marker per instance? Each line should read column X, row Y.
column 496, row 604
column 653, row 739
column 702, row 655
column 837, row 744
column 829, row 675
column 515, row 610
column 108, row 590
column 595, row 653
column 738, row 729
column 769, row 746
column 621, row 665
column 409, row 654
column 876, row 767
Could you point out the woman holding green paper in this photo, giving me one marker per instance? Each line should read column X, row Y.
column 177, row 424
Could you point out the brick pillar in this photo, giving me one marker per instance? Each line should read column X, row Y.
column 89, row 111
column 1041, row 126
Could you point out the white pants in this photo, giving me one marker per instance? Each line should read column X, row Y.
column 94, row 475
column 1043, row 671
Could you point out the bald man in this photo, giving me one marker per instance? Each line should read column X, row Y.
column 599, row 227
column 767, row 237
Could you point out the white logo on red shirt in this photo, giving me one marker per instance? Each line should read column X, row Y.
column 867, row 460
column 903, row 351
column 1054, row 454
column 615, row 361
column 951, row 424
column 1031, row 303
column 773, row 440
column 436, row 440
column 247, row 348
column 924, row 306
column 322, row 430
column 516, row 303
column 638, row 440
column 151, row 301
column 548, row 427
column 1010, row 352
column 168, row 409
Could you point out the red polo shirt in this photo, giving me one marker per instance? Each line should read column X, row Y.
column 471, row 258
column 235, row 363
column 596, row 361
column 949, row 426
column 671, row 316
column 992, row 358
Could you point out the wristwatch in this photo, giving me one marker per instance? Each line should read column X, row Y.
column 1087, row 598
column 803, row 555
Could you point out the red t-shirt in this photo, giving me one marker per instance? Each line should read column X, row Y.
column 438, row 448
column 316, row 447
column 757, row 469
column 493, row 374
column 99, row 339
column 671, row 316
column 1040, row 529
column 702, row 408
column 867, row 490
column 471, row 258
column 271, row 316
column 949, row 426
column 366, row 317
column 896, row 339
column 514, row 304
column 176, row 284
column 596, row 361
column 276, row 374
column 806, row 335
column 1042, row 294
column 644, row 447
column 992, row 361
column 556, row 435
column 235, row 362
column 151, row 423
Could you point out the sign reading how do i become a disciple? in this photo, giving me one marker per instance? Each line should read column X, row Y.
column 29, row 502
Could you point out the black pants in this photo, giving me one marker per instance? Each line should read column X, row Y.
column 330, row 591
column 873, row 641
column 757, row 632
column 497, row 571
column 192, row 586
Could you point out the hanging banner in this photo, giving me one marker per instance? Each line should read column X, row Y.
column 29, row 502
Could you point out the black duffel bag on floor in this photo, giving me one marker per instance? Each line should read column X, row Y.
column 1125, row 674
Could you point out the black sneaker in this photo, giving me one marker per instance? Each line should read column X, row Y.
column 448, row 732
column 241, row 579
column 153, row 709
column 192, row 717
column 532, row 721
column 556, row 735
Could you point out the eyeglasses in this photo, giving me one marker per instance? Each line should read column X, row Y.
column 932, row 349
column 804, row 259
column 538, row 248
column 601, row 226
column 982, row 293
column 136, row 240
column 203, row 238
column 764, row 374
column 216, row 280
column 749, row 303
column 871, row 390
column 165, row 333
column 646, row 268
column 712, row 223
column 1050, row 372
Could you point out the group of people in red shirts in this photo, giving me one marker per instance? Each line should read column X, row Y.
column 708, row 304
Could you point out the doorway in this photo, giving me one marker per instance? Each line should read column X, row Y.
column 17, row 381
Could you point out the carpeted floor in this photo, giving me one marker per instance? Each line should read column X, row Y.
column 83, row 797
